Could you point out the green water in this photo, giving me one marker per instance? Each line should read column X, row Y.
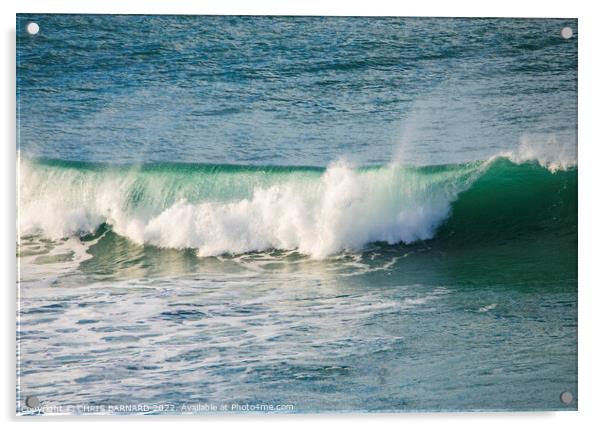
column 479, row 314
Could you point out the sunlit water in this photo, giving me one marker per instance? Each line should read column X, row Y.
column 435, row 288
column 347, row 333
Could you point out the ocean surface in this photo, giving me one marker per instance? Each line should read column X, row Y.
column 295, row 214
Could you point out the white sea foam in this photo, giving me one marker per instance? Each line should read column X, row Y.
column 342, row 209
column 546, row 149
column 488, row 308
column 318, row 214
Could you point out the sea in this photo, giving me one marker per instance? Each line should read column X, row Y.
column 285, row 214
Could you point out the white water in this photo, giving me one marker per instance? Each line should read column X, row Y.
column 343, row 209
column 546, row 150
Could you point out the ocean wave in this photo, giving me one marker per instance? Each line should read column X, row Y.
column 544, row 149
column 224, row 209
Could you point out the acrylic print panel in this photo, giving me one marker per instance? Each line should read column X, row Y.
column 223, row 214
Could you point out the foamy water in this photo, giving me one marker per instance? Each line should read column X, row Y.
column 331, row 214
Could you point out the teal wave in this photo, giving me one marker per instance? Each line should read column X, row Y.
column 514, row 201
column 319, row 211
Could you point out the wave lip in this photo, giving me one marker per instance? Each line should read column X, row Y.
column 218, row 209
column 546, row 150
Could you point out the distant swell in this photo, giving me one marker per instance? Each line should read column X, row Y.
column 219, row 209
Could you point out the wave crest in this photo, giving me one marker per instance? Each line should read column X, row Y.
column 235, row 210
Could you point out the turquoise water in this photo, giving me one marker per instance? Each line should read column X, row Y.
column 309, row 214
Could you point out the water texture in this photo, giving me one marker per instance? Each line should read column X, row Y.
column 296, row 214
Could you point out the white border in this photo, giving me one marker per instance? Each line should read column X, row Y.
column 590, row 215
column 467, row 8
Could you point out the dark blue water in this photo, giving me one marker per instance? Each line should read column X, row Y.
column 279, row 90
column 174, row 256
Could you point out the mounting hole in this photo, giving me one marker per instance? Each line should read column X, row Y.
column 32, row 402
column 33, row 28
column 566, row 397
column 566, row 32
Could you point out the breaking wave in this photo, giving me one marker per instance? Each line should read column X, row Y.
column 226, row 209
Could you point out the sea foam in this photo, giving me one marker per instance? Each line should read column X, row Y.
column 339, row 208
column 219, row 209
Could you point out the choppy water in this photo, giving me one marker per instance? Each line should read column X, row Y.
column 290, row 91
column 331, row 213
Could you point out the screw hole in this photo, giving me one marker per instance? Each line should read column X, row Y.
column 566, row 32
column 566, row 397
column 33, row 28
column 32, row 402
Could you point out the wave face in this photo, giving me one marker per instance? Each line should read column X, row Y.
column 218, row 209
column 512, row 201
